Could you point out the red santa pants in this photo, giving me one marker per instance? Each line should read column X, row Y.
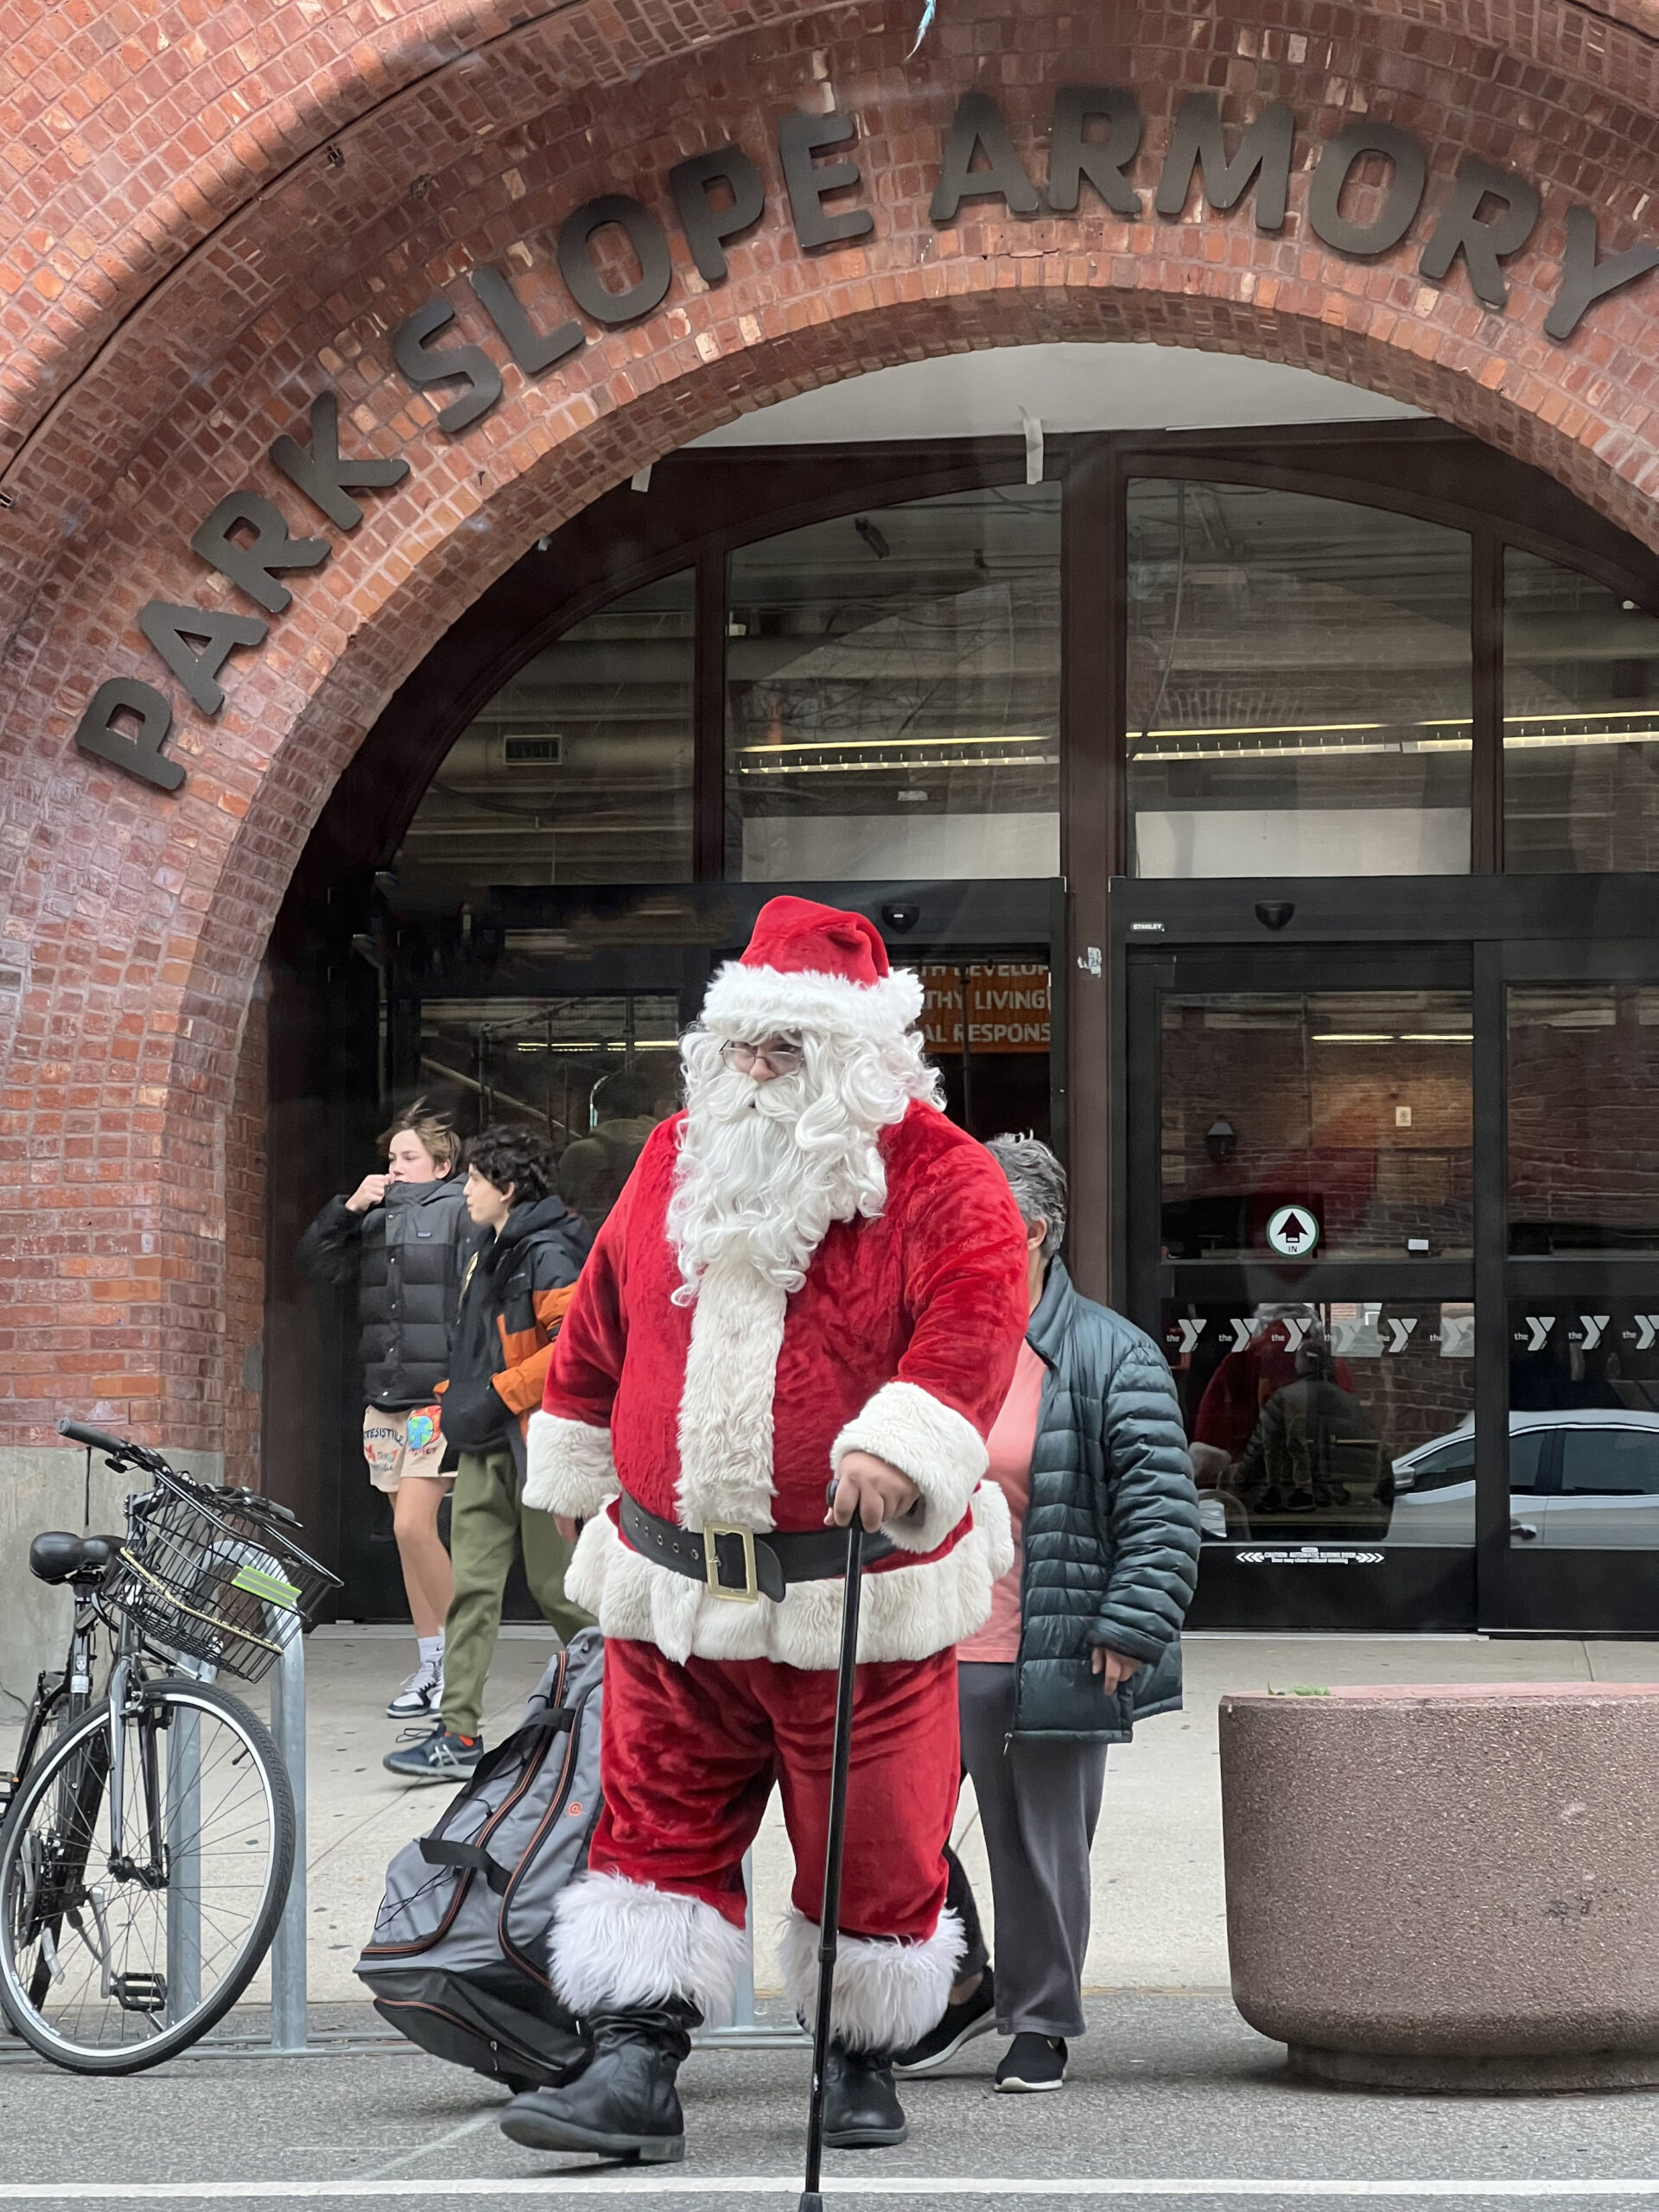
column 689, row 1754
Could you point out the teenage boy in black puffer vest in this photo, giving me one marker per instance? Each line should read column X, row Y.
column 512, row 1299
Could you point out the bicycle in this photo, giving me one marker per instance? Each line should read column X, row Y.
column 147, row 1839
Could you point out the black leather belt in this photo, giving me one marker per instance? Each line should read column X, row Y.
column 737, row 1564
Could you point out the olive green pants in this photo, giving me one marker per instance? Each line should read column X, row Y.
column 488, row 1524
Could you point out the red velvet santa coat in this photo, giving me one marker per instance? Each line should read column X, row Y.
column 733, row 1411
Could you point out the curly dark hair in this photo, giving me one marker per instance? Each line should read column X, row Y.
column 513, row 1157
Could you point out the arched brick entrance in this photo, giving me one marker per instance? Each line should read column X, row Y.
column 136, row 920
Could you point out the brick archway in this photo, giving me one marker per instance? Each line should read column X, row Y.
column 138, row 921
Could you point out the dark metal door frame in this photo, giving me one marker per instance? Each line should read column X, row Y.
column 1503, row 931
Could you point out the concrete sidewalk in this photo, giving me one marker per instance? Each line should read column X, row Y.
column 1160, row 1918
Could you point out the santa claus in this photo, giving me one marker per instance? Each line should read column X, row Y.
column 810, row 1271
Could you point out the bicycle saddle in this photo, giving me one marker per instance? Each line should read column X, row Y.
column 56, row 1556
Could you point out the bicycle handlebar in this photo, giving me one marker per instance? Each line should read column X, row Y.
column 95, row 1439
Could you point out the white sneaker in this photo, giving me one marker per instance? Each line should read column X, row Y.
column 422, row 1694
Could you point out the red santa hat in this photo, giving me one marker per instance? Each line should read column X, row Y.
column 812, row 968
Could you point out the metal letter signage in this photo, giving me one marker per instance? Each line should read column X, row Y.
column 1410, row 167
column 978, row 128
column 140, row 754
column 1197, row 143
column 582, row 278
column 720, row 196
column 324, row 474
column 809, row 183
column 1072, row 156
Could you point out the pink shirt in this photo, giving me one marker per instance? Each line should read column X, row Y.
column 1010, row 1444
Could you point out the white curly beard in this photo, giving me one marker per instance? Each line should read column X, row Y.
column 765, row 1167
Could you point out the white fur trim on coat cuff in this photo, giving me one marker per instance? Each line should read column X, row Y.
column 938, row 1448
column 570, row 1469
column 886, row 1994
column 615, row 1944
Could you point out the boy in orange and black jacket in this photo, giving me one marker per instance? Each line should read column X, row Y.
column 514, row 1292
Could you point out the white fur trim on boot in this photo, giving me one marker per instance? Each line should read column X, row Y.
column 938, row 1448
column 616, row 1943
column 569, row 1466
column 905, row 1612
column 888, row 1995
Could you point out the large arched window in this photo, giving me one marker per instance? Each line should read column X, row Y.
column 579, row 770
column 1299, row 686
column 893, row 690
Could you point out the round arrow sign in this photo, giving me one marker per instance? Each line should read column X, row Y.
column 1293, row 1230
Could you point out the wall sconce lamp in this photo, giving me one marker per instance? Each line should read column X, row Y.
column 1221, row 1141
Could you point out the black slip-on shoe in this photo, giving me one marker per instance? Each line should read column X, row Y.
column 861, row 2111
column 624, row 2104
column 975, row 2016
column 1033, row 2062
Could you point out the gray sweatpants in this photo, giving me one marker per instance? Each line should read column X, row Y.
column 1038, row 1806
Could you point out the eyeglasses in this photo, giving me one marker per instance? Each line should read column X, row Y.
column 781, row 1059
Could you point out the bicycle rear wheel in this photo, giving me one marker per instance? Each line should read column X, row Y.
column 110, row 1964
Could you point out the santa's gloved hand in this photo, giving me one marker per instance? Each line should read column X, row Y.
column 873, row 1490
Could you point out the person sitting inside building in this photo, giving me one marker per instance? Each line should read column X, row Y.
column 514, row 1295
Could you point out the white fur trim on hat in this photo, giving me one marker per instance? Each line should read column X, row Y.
column 753, row 1003
column 904, row 1613
column 938, row 1448
column 616, row 1943
column 886, row 1994
column 569, row 1466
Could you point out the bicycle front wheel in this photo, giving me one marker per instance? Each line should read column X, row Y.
column 123, row 1940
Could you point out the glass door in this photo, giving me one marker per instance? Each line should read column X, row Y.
column 1582, row 1280
column 1302, row 1241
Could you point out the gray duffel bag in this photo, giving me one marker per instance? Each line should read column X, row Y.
column 457, row 1960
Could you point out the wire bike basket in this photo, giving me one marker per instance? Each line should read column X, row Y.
column 210, row 1575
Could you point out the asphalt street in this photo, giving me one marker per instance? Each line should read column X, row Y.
column 1173, row 2100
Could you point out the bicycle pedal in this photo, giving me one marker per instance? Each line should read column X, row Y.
column 139, row 1992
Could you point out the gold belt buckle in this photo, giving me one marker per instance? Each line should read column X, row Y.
column 751, row 1591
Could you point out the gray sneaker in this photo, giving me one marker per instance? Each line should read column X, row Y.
column 441, row 1756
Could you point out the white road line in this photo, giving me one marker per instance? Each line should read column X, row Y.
column 946, row 2186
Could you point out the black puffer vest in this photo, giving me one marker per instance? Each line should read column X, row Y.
column 407, row 1256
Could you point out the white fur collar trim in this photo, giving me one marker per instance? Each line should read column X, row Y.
column 731, row 1368
column 569, row 1467
column 751, row 1003
column 938, row 1448
column 887, row 1994
column 905, row 1612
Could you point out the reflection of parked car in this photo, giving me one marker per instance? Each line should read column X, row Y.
column 1586, row 1477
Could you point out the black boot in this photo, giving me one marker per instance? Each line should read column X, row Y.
column 623, row 2104
column 861, row 2111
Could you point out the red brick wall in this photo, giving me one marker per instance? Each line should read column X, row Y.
column 187, row 267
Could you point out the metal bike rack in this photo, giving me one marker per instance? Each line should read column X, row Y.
column 288, row 2006
column 288, row 1962
column 746, row 2033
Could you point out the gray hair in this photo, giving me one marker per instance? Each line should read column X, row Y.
column 1038, row 1181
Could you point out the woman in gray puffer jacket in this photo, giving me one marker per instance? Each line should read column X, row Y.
column 1083, row 1641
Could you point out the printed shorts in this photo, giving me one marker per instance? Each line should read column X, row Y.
column 399, row 1443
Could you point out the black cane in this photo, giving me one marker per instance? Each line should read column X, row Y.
column 812, row 2201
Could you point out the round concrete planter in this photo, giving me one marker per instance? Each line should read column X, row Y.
column 1448, row 1888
